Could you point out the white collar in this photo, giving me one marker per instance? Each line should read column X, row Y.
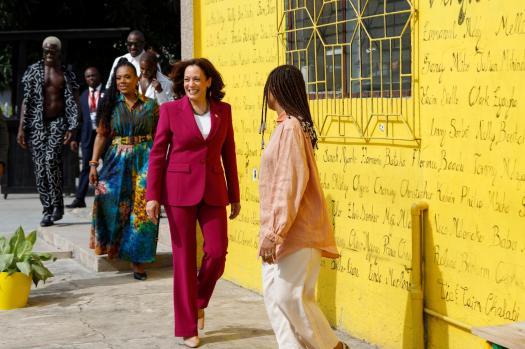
column 137, row 59
column 96, row 88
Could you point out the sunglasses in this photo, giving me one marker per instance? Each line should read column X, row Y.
column 134, row 43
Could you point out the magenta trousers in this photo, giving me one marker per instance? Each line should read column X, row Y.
column 192, row 290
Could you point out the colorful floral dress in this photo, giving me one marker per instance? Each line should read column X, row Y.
column 120, row 226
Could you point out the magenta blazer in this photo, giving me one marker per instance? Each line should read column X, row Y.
column 192, row 170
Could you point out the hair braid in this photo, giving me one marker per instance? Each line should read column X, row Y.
column 287, row 85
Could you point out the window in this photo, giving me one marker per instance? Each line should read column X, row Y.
column 352, row 49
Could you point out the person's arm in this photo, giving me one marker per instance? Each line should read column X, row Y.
column 157, row 156
column 157, row 164
column 229, row 159
column 166, row 92
column 98, row 148
column 27, row 78
column 287, row 184
column 21, row 135
column 286, row 190
column 72, row 108
column 155, row 117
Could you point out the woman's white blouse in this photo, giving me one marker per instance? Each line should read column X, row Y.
column 204, row 123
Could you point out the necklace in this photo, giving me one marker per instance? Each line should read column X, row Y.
column 203, row 113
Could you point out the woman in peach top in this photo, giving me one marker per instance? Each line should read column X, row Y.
column 295, row 226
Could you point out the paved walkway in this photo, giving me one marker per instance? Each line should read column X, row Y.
column 81, row 308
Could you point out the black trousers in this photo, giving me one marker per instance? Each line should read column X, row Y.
column 83, row 180
column 46, row 151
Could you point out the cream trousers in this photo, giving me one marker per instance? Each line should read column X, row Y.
column 289, row 297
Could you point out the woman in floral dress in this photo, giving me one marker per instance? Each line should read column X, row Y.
column 126, row 120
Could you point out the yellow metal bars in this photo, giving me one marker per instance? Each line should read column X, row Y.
column 355, row 69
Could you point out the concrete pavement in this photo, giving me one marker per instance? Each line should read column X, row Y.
column 82, row 308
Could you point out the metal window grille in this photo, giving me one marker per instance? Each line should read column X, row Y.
column 356, row 58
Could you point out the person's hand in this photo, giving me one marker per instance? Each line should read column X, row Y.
column 267, row 251
column 2, row 168
column 235, row 208
column 156, row 85
column 68, row 137
column 153, row 210
column 21, row 139
column 73, row 146
column 93, row 175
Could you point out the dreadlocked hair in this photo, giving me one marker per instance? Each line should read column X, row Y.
column 107, row 103
column 287, row 86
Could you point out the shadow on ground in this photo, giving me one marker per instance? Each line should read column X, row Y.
column 230, row 333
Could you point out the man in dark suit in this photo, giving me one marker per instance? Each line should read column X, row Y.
column 88, row 105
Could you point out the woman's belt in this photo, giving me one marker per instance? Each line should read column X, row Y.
column 131, row 140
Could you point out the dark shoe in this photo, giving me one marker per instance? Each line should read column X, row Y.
column 77, row 203
column 140, row 276
column 58, row 213
column 47, row 220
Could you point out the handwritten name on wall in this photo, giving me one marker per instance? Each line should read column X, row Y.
column 469, row 168
column 472, row 64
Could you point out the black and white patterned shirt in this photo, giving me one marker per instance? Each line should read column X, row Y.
column 33, row 85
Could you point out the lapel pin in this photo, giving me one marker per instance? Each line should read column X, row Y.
column 216, row 115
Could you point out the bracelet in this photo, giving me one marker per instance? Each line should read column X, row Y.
column 93, row 163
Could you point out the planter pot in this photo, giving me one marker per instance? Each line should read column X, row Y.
column 14, row 290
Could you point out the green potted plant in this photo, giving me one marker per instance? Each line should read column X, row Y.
column 18, row 266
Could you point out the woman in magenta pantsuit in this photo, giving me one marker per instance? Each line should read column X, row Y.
column 191, row 183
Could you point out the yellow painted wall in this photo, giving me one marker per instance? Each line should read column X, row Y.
column 470, row 60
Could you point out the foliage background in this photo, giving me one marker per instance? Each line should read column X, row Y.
column 158, row 19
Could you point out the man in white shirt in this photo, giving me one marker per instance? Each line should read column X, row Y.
column 152, row 83
column 135, row 43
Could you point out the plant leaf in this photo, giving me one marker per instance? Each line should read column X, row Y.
column 16, row 240
column 35, row 279
column 40, row 272
column 16, row 255
column 32, row 238
column 3, row 245
column 42, row 256
column 5, row 261
column 24, row 267
column 24, row 250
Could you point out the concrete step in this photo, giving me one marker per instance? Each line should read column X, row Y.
column 42, row 246
column 72, row 234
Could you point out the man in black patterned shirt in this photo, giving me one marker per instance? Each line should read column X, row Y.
column 48, row 119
